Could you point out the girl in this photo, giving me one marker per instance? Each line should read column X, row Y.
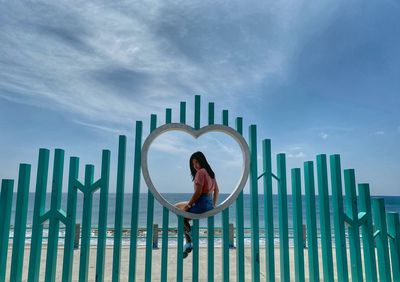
column 205, row 194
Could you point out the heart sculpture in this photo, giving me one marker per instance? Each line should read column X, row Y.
column 196, row 133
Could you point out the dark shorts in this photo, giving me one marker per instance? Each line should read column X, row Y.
column 203, row 204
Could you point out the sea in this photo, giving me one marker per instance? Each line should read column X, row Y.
column 392, row 203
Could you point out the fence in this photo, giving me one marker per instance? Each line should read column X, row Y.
column 366, row 243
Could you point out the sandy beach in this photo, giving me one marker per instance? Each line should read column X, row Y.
column 187, row 268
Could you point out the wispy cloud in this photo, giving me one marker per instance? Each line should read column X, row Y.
column 323, row 135
column 380, row 132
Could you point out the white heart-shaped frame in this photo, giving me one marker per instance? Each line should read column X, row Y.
column 196, row 133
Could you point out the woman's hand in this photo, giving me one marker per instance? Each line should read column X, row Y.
column 186, row 207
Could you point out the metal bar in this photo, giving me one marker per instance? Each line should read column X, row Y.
column 311, row 219
column 196, row 111
column 150, row 216
column 394, row 233
column 367, row 233
column 379, row 215
column 86, row 224
column 254, row 217
column 338, row 218
column 283, row 218
column 69, row 240
column 164, row 257
column 225, row 223
column 268, row 211
column 240, row 267
column 119, row 208
column 37, row 227
column 325, row 225
column 210, row 220
column 20, row 223
column 54, row 224
column 195, row 240
column 182, row 113
column 6, row 196
column 102, row 222
column 135, row 201
column 354, row 233
column 164, row 250
column 179, row 257
column 297, row 226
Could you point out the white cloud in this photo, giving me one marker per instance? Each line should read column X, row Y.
column 380, row 132
column 297, row 155
column 323, row 135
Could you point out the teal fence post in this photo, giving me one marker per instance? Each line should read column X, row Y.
column 338, row 218
column 240, row 223
column 37, row 226
column 312, row 242
column 210, row 219
column 353, row 225
column 297, row 226
column 119, row 209
column 150, row 216
column 164, row 248
column 326, row 237
column 70, row 221
column 379, row 215
column 56, row 193
column 20, row 223
column 103, row 208
column 365, row 218
column 7, row 189
column 195, row 226
column 394, row 242
column 254, row 216
column 225, row 223
column 179, row 257
column 268, row 211
column 135, row 201
column 86, row 224
column 283, row 218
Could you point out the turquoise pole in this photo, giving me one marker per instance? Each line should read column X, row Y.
column 225, row 223
column 210, row 220
column 392, row 219
column 6, row 196
column 20, row 223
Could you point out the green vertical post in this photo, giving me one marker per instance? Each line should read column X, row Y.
column 283, row 218
column 379, row 215
column 150, row 216
column 86, row 224
column 225, row 223
column 312, row 243
column 20, row 223
column 195, row 229
column 254, row 216
column 37, row 227
column 7, row 187
column 119, row 208
column 240, row 269
column 338, row 218
column 135, row 201
column 103, row 208
column 367, row 232
column 54, row 225
column 297, row 226
column 393, row 225
column 164, row 250
column 268, row 211
column 179, row 257
column 325, row 225
column 70, row 221
column 210, row 220
column 353, row 227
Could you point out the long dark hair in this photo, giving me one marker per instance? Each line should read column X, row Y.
column 199, row 156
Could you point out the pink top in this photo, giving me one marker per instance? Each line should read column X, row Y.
column 205, row 181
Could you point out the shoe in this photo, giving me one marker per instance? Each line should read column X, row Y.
column 187, row 249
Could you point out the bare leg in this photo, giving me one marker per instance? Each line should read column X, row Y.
column 188, row 235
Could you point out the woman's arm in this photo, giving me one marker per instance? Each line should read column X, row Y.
column 216, row 193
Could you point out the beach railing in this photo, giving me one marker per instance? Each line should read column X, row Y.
column 362, row 242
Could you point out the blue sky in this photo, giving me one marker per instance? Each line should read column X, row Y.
column 315, row 78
